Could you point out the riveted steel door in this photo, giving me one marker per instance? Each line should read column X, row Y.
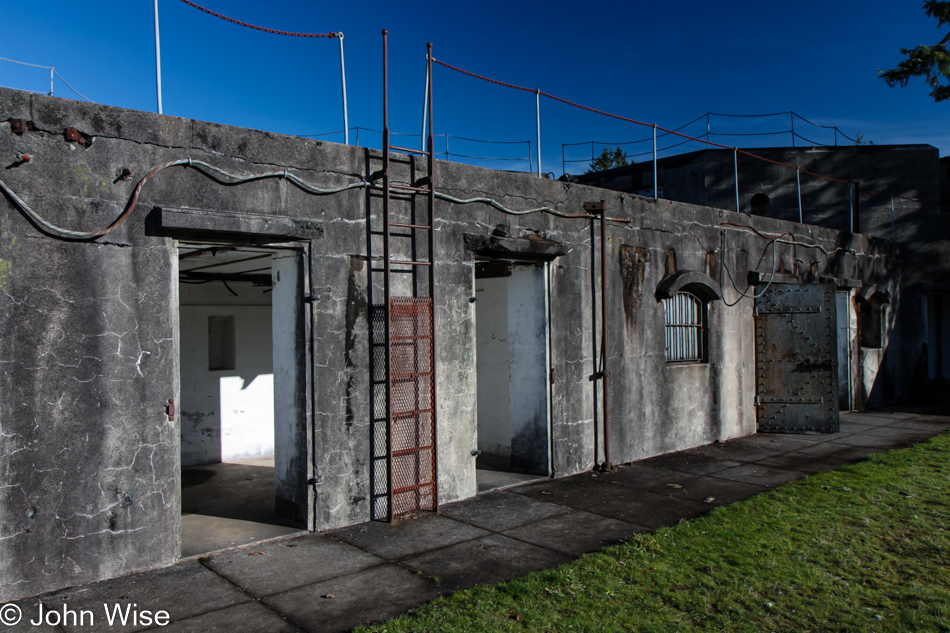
column 796, row 359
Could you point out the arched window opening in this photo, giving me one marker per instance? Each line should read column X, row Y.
column 685, row 321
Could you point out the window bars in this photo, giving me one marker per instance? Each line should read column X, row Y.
column 685, row 328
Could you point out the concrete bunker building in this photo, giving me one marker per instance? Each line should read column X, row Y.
column 249, row 269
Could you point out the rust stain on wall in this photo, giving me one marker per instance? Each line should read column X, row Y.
column 633, row 263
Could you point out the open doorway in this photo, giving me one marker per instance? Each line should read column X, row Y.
column 512, row 361
column 846, row 326
column 242, row 430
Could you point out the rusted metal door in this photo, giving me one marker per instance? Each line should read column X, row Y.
column 796, row 359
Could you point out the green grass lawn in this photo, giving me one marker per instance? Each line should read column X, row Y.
column 862, row 548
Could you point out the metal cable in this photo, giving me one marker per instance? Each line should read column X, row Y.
column 635, row 121
column 133, row 200
column 259, row 28
column 71, row 88
column 25, row 64
column 237, row 180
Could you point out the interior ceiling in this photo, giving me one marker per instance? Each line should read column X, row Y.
column 224, row 263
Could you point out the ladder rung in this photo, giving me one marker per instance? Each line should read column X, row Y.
column 408, row 263
column 410, row 188
column 400, row 225
column 382, row 270
column 411, row 151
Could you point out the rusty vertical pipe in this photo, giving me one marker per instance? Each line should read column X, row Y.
column 603, row 325
column 386, row 275
column 593, row 328
column 430, row 160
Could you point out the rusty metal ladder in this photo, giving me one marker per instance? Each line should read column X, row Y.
column 403, row 465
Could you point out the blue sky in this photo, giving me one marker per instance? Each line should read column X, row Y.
column 663, row 62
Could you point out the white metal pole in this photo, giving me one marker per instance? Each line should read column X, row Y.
column 537, row 97
column 158, row 61
column 656, row 190
column 52, row 71
column 425, row 109
column 346, row 122
column 735, row 159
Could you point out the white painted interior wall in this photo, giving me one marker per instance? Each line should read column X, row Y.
column 287, row 336
column 511, row 361
column 527, row 365
column 491, row 361
column 226, row 414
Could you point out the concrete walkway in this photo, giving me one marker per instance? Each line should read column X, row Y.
column 337, row 580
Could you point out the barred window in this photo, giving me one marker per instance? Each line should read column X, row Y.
column 685, row 328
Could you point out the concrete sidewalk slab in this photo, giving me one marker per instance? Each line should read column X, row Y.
column 394, row 541
column 576, row 533
column 301, row 561
column 184, row 591
column 759, row 475
column 250, row 617
column 690, row 462
column 500, row 511
column 345, row 602
column 716, row 492
column 487, row 560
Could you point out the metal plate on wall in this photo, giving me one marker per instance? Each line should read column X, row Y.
column 796, row 359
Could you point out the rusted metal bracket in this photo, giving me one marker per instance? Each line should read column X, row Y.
column 73, row 135
column 19, row 126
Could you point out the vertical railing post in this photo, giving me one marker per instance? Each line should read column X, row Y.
column 52, row 71
column 656, row 189
column 425, row 107
column 798, row 182
column 735, row 163
column 791, row 117
column 346, row 121
column 537, row 103
column 158, row 62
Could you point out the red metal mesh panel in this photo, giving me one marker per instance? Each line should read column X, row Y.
column 412, row 418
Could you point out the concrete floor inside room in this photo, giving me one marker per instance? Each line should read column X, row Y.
column 229, row 504
column 489, row 478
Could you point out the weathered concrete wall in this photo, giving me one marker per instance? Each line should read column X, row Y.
column 89, row 350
